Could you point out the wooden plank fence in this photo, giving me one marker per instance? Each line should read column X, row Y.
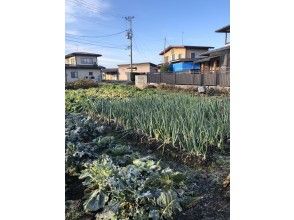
column 209, row 79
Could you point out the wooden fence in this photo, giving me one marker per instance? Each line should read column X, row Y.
column 209, row 79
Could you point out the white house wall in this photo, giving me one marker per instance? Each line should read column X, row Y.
column 82, row 73
column 79, row 58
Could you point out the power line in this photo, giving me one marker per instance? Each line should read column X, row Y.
column 87, row 19
column 93, row 8
column 85, row 3
column 101, row 36
column 98, row 45
column 92, row 41
column 139, row 50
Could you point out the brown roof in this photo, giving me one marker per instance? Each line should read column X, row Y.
column 225, row 29
column 83, row 54
column 203, row 60
column 184, row 46
column 110, row 70
column 69, row 66
column 227, row 47
column 206, row 59
column 151, row 64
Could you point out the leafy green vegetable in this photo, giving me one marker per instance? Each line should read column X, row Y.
column 120, row 183
column 130, row 188
column 168, row 202
column 95, row 202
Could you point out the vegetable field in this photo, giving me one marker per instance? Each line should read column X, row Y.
column 111, row 176
column 189, row 123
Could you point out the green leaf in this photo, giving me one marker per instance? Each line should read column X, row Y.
column 169, row 203
column 106, row 215
column 154, row 214
column 95, row 202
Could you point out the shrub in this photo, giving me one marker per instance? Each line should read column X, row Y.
column 210, row 91
column 217, row 92
column 151, row 86
column 81, row 84
column 164, row 68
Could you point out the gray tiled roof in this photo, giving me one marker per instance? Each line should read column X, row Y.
column 83, row 54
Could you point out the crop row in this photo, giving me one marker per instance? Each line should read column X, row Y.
column 189, row 123
column 184, row 123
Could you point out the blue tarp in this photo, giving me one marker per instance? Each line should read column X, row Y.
column 183, row 66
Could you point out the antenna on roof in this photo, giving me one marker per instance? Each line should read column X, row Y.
column 182, row 38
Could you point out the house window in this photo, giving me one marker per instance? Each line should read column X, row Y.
column 74, row 74
column 179, row 56
column 165, row 59
column 90, row 73
column 87, row 60
column 192, row 55
column 92, row 77
column 173, row 57
column 86, row 77
column 71, row 61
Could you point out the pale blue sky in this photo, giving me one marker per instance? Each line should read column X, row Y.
column 154, row 20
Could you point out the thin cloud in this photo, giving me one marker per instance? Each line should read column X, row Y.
column 75, row 32
column 69, row 12
column 88, row 8
column 112, row 60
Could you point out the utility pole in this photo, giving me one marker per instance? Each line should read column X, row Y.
column 130, row 37
column 164, row 46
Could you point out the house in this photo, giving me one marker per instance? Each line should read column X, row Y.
column 217, row 60
column 144, row 68
column 182, row 58
column 226, row 30
column 110, row 74
column 82, row 65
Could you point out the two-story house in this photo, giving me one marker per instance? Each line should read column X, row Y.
column 181, row 58
column 82, row 65
column 217, row 60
